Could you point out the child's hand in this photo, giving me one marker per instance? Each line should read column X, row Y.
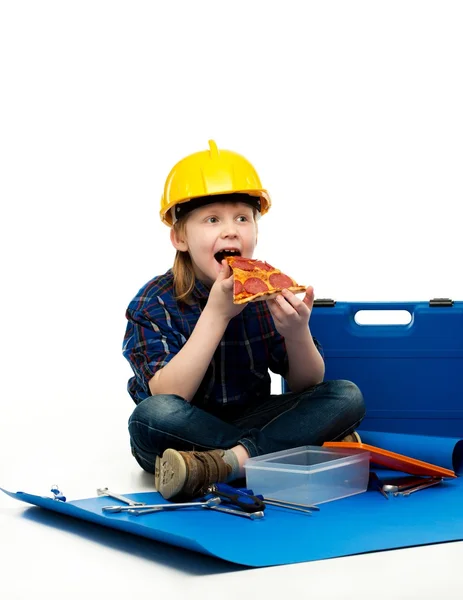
column 291, row 315
column 221, row 295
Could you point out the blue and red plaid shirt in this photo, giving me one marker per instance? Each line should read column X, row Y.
column 158, row 327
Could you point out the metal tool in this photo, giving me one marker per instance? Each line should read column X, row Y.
column 106, row 492
column 288, row 504
column 254, row 516
column 417, row 488
column 239, row 513
column 290, row 507
column 404, row 483
column 57, row 495
column 244, row 500
column 142, row 509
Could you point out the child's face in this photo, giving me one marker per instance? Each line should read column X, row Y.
column 216, row 227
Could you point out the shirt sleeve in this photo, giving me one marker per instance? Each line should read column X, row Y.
column 150, row 342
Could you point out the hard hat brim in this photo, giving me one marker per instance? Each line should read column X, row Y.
column 259, row 199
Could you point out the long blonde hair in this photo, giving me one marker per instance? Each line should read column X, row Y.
column 184, row 275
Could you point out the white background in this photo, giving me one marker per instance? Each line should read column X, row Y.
column 350, row 112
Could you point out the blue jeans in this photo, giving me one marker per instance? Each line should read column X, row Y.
column 325, row 412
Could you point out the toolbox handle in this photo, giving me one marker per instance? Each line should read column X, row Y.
column 383, row 317
column 406, row 314
column 385, row 327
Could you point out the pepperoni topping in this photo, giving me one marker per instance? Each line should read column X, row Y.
column 249, row 264
column 263, row 265
column 238, row 287
column 245, row 264
column 280, row 281
column 254, row 285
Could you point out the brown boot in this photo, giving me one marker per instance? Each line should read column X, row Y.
column 352, row 437
column 188, row 474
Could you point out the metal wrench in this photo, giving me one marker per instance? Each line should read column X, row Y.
column 106, row 492
column 239, row 513
column 289, row 507
column 156, row 507
column 230, row 511
column 288, row 504
column 143, row 509
column 418, row 487
column 405, row 483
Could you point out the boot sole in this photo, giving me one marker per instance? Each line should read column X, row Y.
column 356, row 437
column 172, row 473
column 157, row 472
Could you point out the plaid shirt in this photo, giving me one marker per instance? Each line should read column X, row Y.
column 158, row 327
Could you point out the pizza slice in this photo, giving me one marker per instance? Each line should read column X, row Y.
column 257, row 280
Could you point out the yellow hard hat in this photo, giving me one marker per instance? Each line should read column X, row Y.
column 212, row 172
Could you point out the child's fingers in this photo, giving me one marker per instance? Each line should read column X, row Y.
column 226, row 275
column 293, row 303
column 287, row 302
column 309, row 297
column 224, row 271
column 228, row 283
column 275, row 309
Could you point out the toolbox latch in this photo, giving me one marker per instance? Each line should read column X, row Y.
column 324, row 302
column 441, row 302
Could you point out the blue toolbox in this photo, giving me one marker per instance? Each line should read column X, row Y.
column 410, row 374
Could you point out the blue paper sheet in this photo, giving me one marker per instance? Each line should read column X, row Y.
column 363, row 523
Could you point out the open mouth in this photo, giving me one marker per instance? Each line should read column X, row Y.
column 219, row 256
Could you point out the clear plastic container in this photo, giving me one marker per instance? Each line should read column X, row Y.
column 309, row 474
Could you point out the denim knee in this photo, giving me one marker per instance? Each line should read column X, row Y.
column 155, row 409
column 150, row 415
column 352, row 399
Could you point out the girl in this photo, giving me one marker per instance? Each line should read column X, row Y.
column 200, row 362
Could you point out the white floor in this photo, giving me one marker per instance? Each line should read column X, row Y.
column 44, row 555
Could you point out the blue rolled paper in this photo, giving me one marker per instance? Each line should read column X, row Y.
column 441, row 451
